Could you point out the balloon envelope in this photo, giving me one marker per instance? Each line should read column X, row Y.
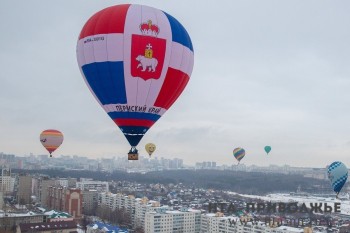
column 239, row 153
column 267, row 149
column 51, row 139
column 338, row 174
column 150, row 148
column 136, row 61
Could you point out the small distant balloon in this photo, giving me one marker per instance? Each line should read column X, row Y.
column 51, row 139
column 150, row 148
column 267, row 149
column 338, row 174
column 239, row 153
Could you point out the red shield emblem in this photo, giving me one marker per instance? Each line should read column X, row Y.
column 147, row 56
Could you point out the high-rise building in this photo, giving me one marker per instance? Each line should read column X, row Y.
column 62, row 182
column 142, row 206
column 7, row 182
column 117, row 201
column 1, row 200
column 66, row 199
column 135, row 207
column 72, row 182
column 74, row 202
column 40, row 186
column 66, row 182
column 55, row 198
column 90, row 200
column 173, row 221
column 24, row 192
column 100, row 186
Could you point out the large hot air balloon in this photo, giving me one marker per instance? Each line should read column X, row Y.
column 150, row 148
column 338, row 174
column 267, row 149
column 136, row 61
column 51, row 139
column 239, row 153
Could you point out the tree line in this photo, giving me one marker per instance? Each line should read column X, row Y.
column 237, row 181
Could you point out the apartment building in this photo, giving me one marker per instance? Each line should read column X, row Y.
column 40, row 185
column 100, row 186
column 90, row 200
column 173, row 221
column 66, row 199
column 7, row 182
column 24, row 190
column 11, row 220
column 142, row 206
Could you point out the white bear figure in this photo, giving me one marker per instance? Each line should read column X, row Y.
column 145, row 62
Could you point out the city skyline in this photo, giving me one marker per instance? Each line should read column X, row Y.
column 12, row 161
column 271, row 73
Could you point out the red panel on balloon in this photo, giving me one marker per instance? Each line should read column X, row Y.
column 102, row 22
column 133, row 122
column 174, row 84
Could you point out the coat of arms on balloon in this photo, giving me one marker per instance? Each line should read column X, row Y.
column 147, row 52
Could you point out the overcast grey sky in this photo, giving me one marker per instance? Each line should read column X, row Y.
column 266, row 73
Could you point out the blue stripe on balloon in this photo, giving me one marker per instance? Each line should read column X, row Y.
column 179, row 33
column 134, row 134
column 339, row 184
column 106, row 80
column 334, row 165
column 134, row 129
column 240, row 153
column 134, row 115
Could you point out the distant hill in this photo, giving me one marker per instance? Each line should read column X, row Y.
column 241, row 182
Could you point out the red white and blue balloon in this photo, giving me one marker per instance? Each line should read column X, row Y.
column 136, row 60
column 338, row 174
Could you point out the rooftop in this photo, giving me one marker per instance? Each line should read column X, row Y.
column 47, row 226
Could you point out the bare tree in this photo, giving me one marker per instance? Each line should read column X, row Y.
column 85, row 221
column 120, row 217
column 103, row 212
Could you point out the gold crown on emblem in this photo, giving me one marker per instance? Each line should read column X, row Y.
column 149, row 29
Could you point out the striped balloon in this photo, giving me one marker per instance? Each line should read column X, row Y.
column 136, row 61
column 51, row 139
column 338, row 174
column 239, row 153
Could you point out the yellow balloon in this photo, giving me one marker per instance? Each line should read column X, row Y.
column 150, row 148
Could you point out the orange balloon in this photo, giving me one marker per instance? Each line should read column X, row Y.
column 51, row 139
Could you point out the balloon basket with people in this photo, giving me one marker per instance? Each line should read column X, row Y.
column 133, row 154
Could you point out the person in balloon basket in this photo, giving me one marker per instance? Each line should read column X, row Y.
column 133, row 154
